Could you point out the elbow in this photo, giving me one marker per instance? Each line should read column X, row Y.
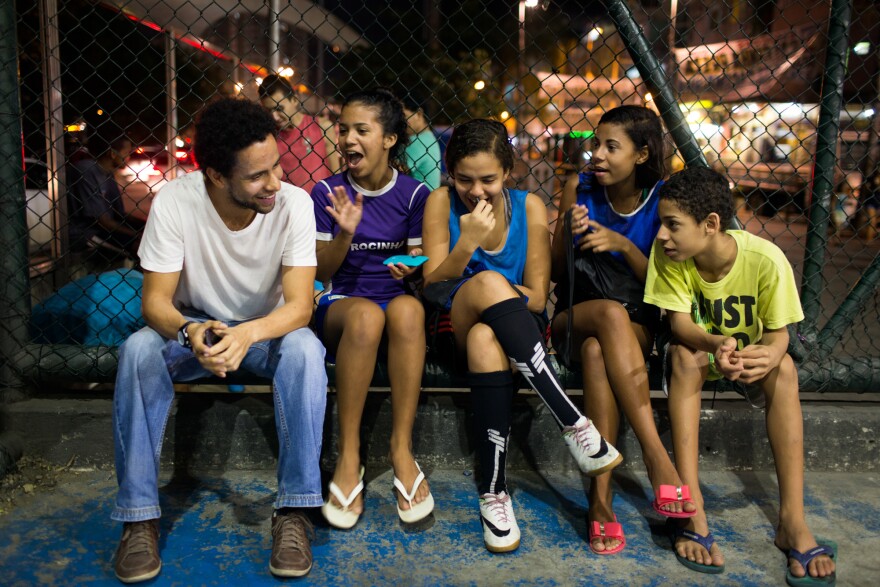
column 322, row 276
column 322, row 272
column 537, row 303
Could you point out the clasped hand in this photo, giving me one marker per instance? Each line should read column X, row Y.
column 225, row 355
column 749, row 365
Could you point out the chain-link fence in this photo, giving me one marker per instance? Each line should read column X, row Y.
column 783, row 96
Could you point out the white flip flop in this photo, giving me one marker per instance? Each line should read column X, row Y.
column 416, row 512
column 340, row 516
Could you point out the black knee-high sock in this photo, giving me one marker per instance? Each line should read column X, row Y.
column 492, row 399
column 518, row 334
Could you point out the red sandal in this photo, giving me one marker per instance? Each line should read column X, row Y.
column 607, row 530
column 667, row 494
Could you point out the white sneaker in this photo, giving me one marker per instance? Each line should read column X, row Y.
column 500, row 532
column 593, row 454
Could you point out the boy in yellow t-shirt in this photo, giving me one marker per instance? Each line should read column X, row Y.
column 729, row 296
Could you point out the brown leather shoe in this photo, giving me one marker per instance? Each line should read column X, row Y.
column 291, row 547
column 137, row 558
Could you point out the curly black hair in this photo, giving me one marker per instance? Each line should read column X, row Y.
column 643, row 128
column 226, row 127
column 699, row 191
column 479, row 136
column 389, row 113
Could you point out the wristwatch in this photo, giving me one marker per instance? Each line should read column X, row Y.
column 183, row 336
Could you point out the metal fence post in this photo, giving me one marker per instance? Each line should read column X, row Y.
column 14, row 287
column 657, row 81
column 825, row 163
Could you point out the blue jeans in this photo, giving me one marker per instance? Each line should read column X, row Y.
column 148, row 363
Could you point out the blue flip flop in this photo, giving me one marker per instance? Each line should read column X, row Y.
column 705, row 541
column 828, row 547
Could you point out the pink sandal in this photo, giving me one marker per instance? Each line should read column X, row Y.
column 607, row 530
column 667, row 494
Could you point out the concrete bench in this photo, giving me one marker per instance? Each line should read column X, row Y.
column 58, row 364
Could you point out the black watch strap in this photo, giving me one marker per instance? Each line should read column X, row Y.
column 183, row 336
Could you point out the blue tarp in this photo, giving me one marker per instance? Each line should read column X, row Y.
column 95, row 310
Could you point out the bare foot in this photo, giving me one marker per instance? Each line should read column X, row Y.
column 800, row 538
column 693, row 551
column 346, row 476
column 405, row 469
column 662, row 472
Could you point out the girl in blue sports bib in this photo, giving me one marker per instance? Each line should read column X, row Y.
column 613, row 219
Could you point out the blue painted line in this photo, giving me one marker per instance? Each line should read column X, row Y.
column 215, row 531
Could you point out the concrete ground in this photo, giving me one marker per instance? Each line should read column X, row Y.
column 215, row 531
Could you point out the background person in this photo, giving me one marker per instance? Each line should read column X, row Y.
column 423, row 149
column 307, row 144
column 870, row 204
column 98, row 221
column 228, row 250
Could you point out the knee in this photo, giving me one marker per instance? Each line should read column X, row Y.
column 482, row 349
column 611, row 315
column 143, row 344
column 365, row 323
column 591, row 352
column 302, row 344
column 405, row 317
column 481, row 336
column 494, row 282
column 788, row 371
column 685, row 359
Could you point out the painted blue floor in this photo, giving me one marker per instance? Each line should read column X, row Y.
column 215, row 531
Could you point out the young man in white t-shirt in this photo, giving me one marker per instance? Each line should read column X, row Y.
column 229, row 265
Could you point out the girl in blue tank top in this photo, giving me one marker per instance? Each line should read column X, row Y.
column 489, row 265
column 614, row 222
column 510, row 261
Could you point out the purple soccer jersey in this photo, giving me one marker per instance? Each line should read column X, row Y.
column 392, row 220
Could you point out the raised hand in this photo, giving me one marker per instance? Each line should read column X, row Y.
column 346, row 213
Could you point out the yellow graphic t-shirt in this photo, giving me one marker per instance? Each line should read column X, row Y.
column 759, row 291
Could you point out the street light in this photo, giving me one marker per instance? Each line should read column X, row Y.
column 523, row 4
column 592, row 36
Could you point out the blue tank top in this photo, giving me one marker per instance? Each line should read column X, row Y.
column 510, row 260
column 640, row 226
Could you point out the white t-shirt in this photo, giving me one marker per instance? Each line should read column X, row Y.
column 226, row 274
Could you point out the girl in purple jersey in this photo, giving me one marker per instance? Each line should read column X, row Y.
column 614, row 215
column 364, row 216
column 489, row 250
